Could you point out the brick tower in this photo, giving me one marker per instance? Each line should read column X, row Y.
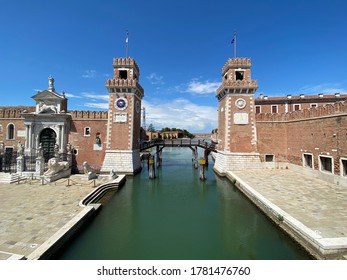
column 237, row 138
column 124, row 118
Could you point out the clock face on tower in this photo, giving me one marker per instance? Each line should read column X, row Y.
column 121, row 103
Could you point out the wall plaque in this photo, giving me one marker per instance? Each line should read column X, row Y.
column 121, row 117
column 241, row 118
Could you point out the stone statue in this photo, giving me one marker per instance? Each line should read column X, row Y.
column 40, row 151
column 97, row 140
column 68, row 148
column 51, row 83
column 113, row 174
column 54, row 167
column 88, row 170
column 20, row 149
column 56, row 150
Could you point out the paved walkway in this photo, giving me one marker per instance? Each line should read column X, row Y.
column 31, row 213
column 318, row 205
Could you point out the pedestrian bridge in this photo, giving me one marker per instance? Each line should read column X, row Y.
column 193, row 144
column 189, row 143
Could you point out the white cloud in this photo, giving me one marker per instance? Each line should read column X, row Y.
column 103, row 106
column 202, row 88
column 327, row 88
column 180, row 113
column 71, row 95
column 155, row 79
column 95, row 96
column 89, row 74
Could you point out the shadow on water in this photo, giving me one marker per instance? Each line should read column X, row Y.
column 177, row 216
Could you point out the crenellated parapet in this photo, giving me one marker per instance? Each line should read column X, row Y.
column 338, row 108
column 15, row 112
column 231, row 86
column 236, row 62
column 126, row 62
column 123, row 83
column 91, row 115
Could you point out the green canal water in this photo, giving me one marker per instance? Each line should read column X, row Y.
column 178, row 217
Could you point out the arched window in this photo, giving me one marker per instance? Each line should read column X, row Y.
column 10, row 131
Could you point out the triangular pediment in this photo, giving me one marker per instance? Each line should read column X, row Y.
column 47, row 95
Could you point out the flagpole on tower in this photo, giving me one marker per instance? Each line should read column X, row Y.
column 234, row 42
column 127, row 45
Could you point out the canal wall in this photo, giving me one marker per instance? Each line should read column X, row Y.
column 316, row 245
column 51, row 246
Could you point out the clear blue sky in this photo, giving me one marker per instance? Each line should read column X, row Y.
column 180, row 45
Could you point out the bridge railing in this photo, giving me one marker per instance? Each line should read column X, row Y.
column 177, row 143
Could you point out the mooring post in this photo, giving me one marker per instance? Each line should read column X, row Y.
column 202, row 169
column 206, row 152
column 151, row 169
column 195, row 157
column 157, row 154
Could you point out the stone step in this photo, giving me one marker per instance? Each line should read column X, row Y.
column 9, row 178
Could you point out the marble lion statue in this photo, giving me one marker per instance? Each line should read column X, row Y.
column 54, row 167
column 87, row 168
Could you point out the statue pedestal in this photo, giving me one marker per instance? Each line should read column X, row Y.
column 20, row 164
column 40, row 166
column 57, row 176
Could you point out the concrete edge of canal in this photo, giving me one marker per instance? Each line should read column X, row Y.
column 71, row 228
column 312, row 242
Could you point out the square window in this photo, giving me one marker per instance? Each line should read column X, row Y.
column 86, row 131
column 123, row 74
column 308, row 160
column 269, row 158
column 257, row 109
column 343, row 166
column 297, row 107
column 326, row 164
column 274, row 109
column 239, row 75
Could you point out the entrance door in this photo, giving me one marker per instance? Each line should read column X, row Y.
column 47, row 138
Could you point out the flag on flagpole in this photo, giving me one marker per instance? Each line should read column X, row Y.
column 127, row 45
column 233, row 42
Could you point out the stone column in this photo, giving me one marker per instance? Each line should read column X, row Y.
column 27, row 137
column 62, row 137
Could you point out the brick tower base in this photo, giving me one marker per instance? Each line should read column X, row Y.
column 126, row 162
column 226, row 161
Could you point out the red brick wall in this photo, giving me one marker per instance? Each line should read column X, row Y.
column 119, row 138
column 12, row 115
column 97, row 122
column 317, row 131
